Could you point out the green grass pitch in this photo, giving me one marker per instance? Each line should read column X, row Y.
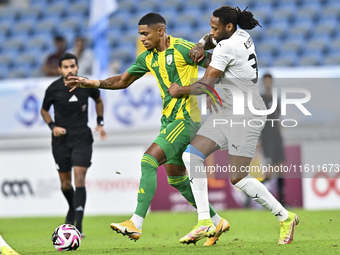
column 251, row 232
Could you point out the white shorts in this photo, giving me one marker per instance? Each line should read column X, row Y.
column 237, row 133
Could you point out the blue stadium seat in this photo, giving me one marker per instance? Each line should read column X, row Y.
column 318, row 43
column 33, row 12
column 170, row 17
column 326, row 26
column 9, row 13
column 47, row 25
column 262, row 13
column 56, row 10
column 331, row 9
column 269, row 45
column 130, row 36
column 125, row 53
column 301, row 27
column 15, row 43
column 200, row 4
column 19, row 72
column 284, row 12
column 6, row 59
column 278, row 29
column 311, row 58
column 184, row 32
column 333, row 58
column 265, row 2
column 188, row 18
column 3, row 71
column 148, row 6
column 120, row 20
column 28, row 58
column 265, row 59
column 286, row 59
column 6, row 27
column 38, row 3
column 115, row 36
column 199, row 32
column 174, row 5
column 293, row 43
column 127, row 6
column 335, row 45
column 309, row 10
column 24, row 26
column 79, row 8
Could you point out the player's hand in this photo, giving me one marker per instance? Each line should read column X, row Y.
column 74, row 82
column 211, row 104
column 174, row 90
column 101, row 131
column 58, row 131
column 197, row 53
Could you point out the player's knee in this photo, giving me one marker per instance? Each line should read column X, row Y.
column 66, row 185
column 148, row 162
column 235, row 180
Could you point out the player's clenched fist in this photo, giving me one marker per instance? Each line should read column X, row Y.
column 174, row 90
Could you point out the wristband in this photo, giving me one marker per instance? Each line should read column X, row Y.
column 51, row 125
column 100, row 120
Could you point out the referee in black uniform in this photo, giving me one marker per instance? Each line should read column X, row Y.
column 71, row 137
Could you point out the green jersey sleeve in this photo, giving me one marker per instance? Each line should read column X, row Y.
column 139, row 68
column 184, row 47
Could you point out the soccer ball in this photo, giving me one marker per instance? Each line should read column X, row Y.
column 66, row 237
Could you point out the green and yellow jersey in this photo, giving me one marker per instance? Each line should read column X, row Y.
column 170, row 66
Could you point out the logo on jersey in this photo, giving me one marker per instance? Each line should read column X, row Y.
column 155, row 64
column 169, row 59
column 163, row 131
column 73, row 99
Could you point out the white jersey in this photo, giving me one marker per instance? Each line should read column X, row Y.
column 236, row 58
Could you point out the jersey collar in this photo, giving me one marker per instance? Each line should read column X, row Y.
column 172, row 41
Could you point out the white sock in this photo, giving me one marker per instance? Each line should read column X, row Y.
column 216, row 219
column 257, row 191
column 137, row 221
column 199, row 184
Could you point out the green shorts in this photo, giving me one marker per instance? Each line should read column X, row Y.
column 174, row 138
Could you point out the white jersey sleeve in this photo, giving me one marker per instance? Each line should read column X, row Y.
column 223, row 56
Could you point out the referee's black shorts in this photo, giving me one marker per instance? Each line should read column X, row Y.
column 73, row 149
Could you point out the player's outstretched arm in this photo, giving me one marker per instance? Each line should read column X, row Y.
column 115, row 82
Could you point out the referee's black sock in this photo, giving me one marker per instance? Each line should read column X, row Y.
column 79, row 205
column 69, row 193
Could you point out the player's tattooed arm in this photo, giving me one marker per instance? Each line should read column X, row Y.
column 118, row 82
column 197, row 53
column 207, row 60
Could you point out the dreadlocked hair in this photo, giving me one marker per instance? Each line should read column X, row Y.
column 244, row 19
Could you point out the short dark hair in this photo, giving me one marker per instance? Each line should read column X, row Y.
column 267, row 75
column 244, row 19
column 152, row 18
column 59, row 38
column 66, row 56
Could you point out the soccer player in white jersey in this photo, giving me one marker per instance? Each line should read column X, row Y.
column 234, row 59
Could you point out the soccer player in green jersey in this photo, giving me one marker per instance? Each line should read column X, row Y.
column 167, row 58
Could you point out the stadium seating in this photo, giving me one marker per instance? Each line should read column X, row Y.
column 295, row 32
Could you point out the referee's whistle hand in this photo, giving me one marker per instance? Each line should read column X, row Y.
column 58, row 131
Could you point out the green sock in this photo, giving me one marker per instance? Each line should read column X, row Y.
column 182, row 184
column 147, row 184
